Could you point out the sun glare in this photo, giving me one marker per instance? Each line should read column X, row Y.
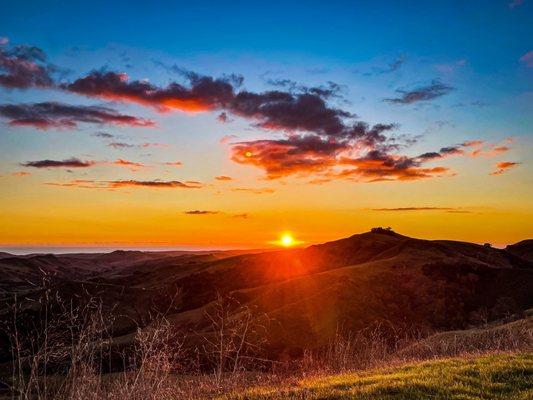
column 286, row 240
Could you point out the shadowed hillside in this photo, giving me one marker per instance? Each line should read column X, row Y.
column 299, row 297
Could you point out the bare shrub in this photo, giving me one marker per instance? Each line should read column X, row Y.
column 235, row 338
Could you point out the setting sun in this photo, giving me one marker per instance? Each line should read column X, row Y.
column 287, row 240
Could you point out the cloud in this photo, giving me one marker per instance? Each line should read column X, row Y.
column 20, row 173
column 110, row 185
column 393, row 66
column 242, row 216
column 504, row 166
column 68, row 163
column 254, row 190
column 472, row 148
column 294, row 155
column 156, row 184
column 223, row 178
column 120, row 145
column 203, row 93
column 492, row 151
column 134, row 166
column 423, row 93
column 454, row 209
column 103, row 135
column 449, row 68
column 223, row 117
column 319, row 139
column 302, row 110
column 79, row 183
column 201, row 212
column 154, row 144
column 331, row 159
column 174, row 164
column 23, row 67
column 227, row 138
column 515, row 3
column 57, row 115
column 528, row 59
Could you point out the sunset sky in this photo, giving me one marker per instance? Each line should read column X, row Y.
column 225, row 124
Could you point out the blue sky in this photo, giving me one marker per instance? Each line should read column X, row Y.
column 375, row 50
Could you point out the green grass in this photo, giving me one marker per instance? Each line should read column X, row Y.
column 490, row 377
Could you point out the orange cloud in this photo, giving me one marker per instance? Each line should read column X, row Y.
column 223, row 178
column 503, row 167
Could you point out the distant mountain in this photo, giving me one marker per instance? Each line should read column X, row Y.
column 304, row 295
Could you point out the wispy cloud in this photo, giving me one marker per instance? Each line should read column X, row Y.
column 528, row 59
column 254, row 190
column 422, row 93
column 174, row 164
column 515, row 3
column 201, row 212
column 402, row 209
column 57, row 115
column 153, row 184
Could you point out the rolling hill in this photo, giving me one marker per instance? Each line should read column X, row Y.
column 301, row 296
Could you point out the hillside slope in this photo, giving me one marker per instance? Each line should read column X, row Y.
column 496, row 377
column 302, row 296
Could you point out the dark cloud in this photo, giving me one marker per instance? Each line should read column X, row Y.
column 22, row 67
column 319, row 138
column 103, row 135
column 330, row 90
column 423, row 93
column 223, row 117
column 57, row 115
column 68, row 163
column 201, row 212
column 156, row 184
column 203, row 93
column 120, row 145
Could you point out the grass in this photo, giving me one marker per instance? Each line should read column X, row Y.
column 503, row 376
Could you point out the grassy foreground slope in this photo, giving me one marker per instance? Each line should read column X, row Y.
column 488, row 377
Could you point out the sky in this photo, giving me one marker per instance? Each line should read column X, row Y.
column 226, row 124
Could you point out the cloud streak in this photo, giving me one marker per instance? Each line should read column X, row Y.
column 201, row 212
column 423, row 93
column 58, row 115
column 68, row 163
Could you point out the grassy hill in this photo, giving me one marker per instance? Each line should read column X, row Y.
column 502, row 377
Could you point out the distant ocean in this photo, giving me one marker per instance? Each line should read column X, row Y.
column 22, row 250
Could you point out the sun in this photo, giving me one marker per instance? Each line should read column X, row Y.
column 287, row 240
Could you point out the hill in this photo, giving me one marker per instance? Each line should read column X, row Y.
column 299, row 298
column 498, row 377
